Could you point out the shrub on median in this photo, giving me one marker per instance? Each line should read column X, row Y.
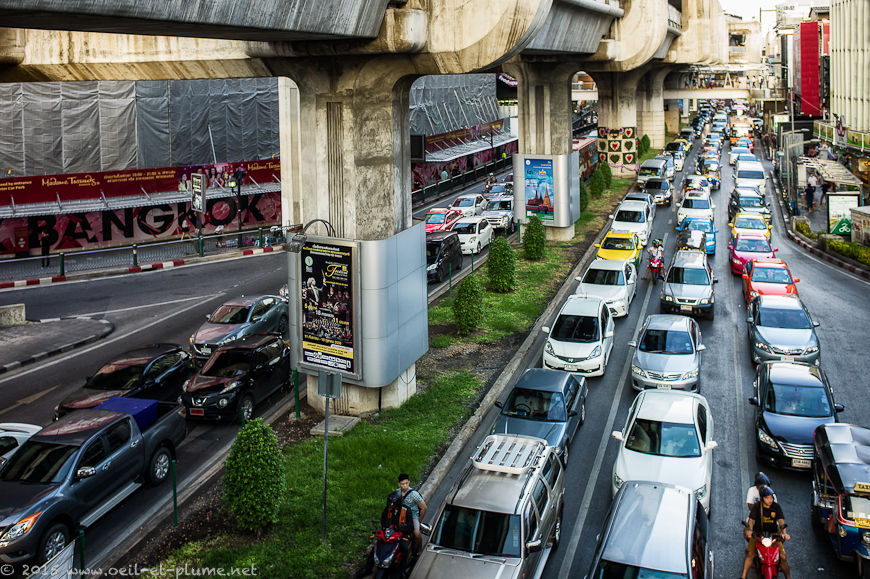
column 468, row 305
column 596, row 184
column 584, row 197
column 534, row 239
column 854, row 251
column 607, row 173
column 502, row 266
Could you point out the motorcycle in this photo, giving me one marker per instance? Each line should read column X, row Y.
column 767, row 554
column 391, row 546
column 656, row 266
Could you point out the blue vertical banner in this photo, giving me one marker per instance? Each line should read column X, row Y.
column 538, row 176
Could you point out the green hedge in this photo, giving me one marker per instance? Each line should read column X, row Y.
column 860, row 253
column 534, row 239
column 468, row 305
column 502, row 266
column 596, row 184
column 804, row 229
column 584, row 197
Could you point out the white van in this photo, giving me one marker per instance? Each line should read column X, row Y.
column 749, row 174
column 651, row 169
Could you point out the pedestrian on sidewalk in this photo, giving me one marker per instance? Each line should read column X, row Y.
column 45, row 247
column 823, row 197
column 809, row 193
column 184, row 224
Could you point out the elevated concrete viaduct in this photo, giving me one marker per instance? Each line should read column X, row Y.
column 345, row 69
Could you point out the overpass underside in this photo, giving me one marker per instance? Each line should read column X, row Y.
column 704, row 93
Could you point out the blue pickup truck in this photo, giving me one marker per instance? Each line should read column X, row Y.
column 74, row 471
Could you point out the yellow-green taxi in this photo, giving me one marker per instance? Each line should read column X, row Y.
column 685, row 144
column 753, row 223
column 620, row 246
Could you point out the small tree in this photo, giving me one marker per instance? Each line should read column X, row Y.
column 534, row 239
column 584, row 197
column 468, row 305
column 254, row 477
column 645, row 143
column 502, row 266
column 607, row 173
column 596, row 184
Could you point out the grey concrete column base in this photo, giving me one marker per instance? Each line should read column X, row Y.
column 361, row 401
column 559, row 233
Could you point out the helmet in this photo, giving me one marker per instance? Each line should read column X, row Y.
column 761, row 479
column 394, row 499
column 490, row 175
column 766, row 491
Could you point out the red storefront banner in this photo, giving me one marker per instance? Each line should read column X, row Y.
column 73, row 186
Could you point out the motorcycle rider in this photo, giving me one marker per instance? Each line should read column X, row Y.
column 394, row 516
column 753, row 495
column 655, row 251
column 413, row 501
column 766, row 516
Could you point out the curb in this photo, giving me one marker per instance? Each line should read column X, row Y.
column 108, row 327
column 524, row 352
column 33, row 281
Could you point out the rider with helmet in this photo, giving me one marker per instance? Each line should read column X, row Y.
column 753, row 495
column 656, row 251
column 766, row 517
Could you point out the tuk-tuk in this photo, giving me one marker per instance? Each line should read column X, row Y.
column 692, row 240
column 841, row 490
column 710, row 170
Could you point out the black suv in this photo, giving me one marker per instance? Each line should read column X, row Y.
column 155, row 372
column 443, row 255
column 237, row 377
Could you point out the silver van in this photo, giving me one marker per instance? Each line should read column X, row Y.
column 502, row 517
column 657, row 528
column 670, row 167
column 650, row 169
column 749, row 174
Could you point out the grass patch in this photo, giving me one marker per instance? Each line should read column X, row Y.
column 363, row 465
column 649, row 154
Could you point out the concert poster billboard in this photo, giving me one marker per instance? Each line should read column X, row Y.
column 329, row 302
column 538, row 175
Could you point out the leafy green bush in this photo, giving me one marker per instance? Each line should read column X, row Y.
column 502, row 266
column 804, row 229
column 851, row 250
column 584, row 197
column 254, row 482
column 468, row 305
column 534, row 239
column 644, row 143
column 596, row 183
column 607, row 173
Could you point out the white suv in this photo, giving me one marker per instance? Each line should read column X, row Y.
column 581, row 338
column 635, row 217
column 697, row 205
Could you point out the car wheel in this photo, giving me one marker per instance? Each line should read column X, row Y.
column 246, row 409
column 283, row 326
column 158, row 466
column 583, row 412
column 557, row 530
column 478, row 247
column 814, row 517
column 459, row 267
column 440, row 274
column 53, row 542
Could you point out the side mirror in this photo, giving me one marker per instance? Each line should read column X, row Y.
column 715, row 280
column 837, row 408
column 748, row 319
column 610, row 216
column 744, row 276
column 545, row 329
column 3, row 461
column 499, row 404
column 578, row 278
column 425, row 529
column 632, row 344
column 715, row 231
column 608, row 334
column 572, row 413
column 730, row 225
column 796, row 280
column 598, row 245
column 534, row 546
column 712, row 445
column 816, row 324
column 753, row 400
column 85, row 472
column 774, row 249
column 617, row 435
column 702, row 348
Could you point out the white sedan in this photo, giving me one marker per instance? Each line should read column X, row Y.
column 615, row 282
column 13, row 435
column 667, row 438
column 697, row 205
column 469, row 205
column 475, row 233
column 581, row 339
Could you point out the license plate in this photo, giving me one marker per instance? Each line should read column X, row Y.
column 206, row 350
column 197, row 412
column 663, row 386
column 788, row 358
column 801, row 463
column 685, row 308
column 570, row 368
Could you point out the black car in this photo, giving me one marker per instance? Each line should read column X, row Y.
column 791, row 400
column 443, row 255
column 237, row 377
column 155, row 372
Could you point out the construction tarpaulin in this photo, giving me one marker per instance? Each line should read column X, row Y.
column 441, row 104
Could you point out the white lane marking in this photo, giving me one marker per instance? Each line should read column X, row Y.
column 738, row 388
column 97, row 344
column 167, row 303
column 580, row 519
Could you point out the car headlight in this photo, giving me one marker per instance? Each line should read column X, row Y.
column 635, row 369
column 667, row 298
column 701, row 492
column 705, row 300
column 21, row 527
column 472, row 239
column 596, row 352
column 227, row 339
column 617, row 481
column 431, row 266
column 690, row 375
column 185, row 385
column 548, row 348
column 865, row 538
column 505, row 221
column 191, row 339
column 811, row 350
column 762, row 346
column 767, row 439
column 232, row 386
column 753, row 293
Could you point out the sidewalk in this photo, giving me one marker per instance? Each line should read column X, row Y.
column 27, row 343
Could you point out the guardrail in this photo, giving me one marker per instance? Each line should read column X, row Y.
column 434, row 190
column 64, row 263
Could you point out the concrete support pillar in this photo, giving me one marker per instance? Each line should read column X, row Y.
column 545, row 115
column 345, row 157
column 672, row 117
column 651, row 109
column 617, row 120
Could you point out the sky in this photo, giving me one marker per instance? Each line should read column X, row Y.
column 748, row 9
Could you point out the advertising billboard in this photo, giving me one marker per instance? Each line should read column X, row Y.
column 538, row 175
column 329, row 304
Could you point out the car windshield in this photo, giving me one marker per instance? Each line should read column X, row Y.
column 666, row 342
column 752, row 245
column 749, row 223
column 750, row 201
column 696, row 204
column 650, row 171
column 121, row 375
column 39, row 462
column 621, row 243
column 739, row 150
column 747, row 157
column 536, row 405
column 604, row 277
column 227, row 364
column 482, row 532
column 435, row 218
column 465, row 228
column 697, row 183
column 432, row 250
column 628, row 216
column 504, row 205
column 792, row 318
column 572, row 328
column 688, row 275
column 855, row 507
column 464, row 202
column 673, row 439
column 698, row 225
column 496, row 189
column 657, row 184
column 770, row 275
column 230, row 314
column 797, row 401
column 673, row 146
column 750, row 174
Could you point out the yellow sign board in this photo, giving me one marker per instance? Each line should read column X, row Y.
column 862, row 487
column 865, row 523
